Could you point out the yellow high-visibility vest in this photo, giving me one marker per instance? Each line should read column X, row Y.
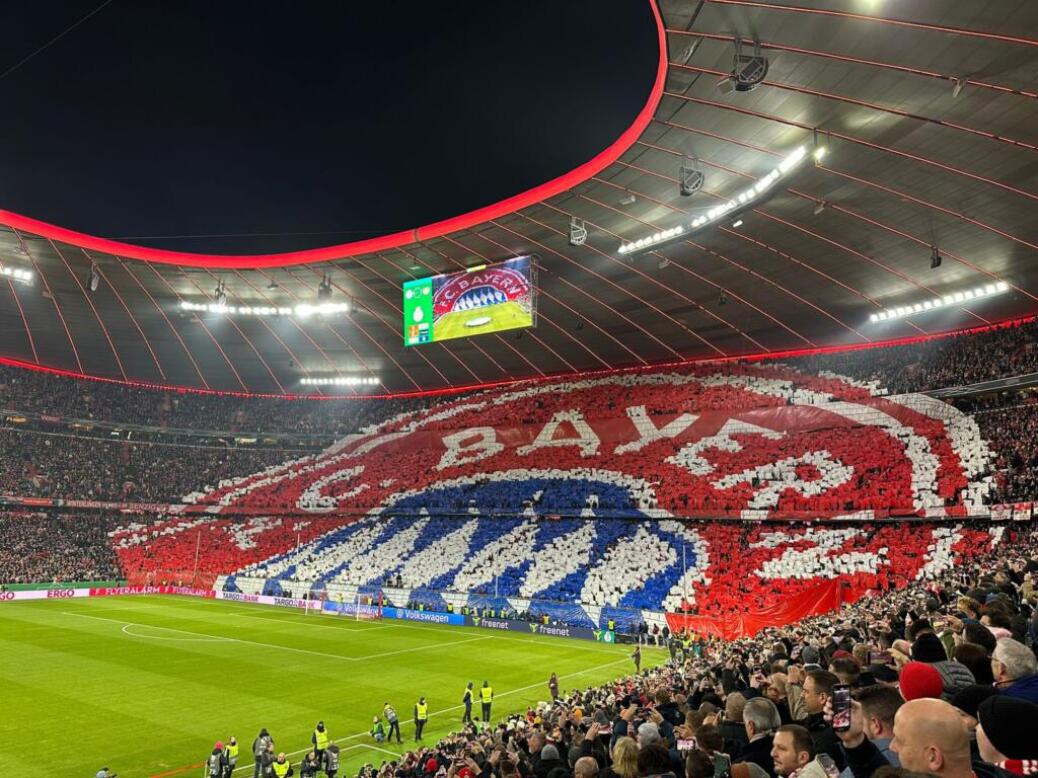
column 281, row 768
column 486, row 694
column 321, row 738
column 421, row 711
column 232, row 751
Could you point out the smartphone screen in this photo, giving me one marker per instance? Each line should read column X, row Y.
column 879, row 658
column 841, row 707
column 722, row 764
column 687, row 745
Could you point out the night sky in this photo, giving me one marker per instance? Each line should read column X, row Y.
column 348, row 119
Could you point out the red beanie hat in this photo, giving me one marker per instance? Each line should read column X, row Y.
column 919, row 679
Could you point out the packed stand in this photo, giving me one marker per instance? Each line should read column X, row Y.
column 74, row 467
column 959, row 360
column 1009, row 422
column 70, row 398
column 938, row 680
column 44, row 547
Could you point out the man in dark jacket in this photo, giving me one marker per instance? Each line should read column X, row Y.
column 732, row 729
column 549, row 761
column 818, row 690
column 260, row 746
column 760, row 719
column 1015, row 669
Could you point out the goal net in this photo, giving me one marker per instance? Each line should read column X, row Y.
column 362, row 607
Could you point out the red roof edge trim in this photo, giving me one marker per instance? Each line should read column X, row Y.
column 385, row 242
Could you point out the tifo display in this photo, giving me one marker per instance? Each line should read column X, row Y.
column 481, row 300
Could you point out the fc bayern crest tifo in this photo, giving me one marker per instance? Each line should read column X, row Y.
column 506, row 483
column 748, row 442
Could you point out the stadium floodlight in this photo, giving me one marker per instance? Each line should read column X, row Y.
column 737, row 223
column 17, row 274
column 740, row 202
column 95, row 278
column 577, row 231
column 690, row 176
column 936, row 303
column 628, row 198
column 341, row 380
column 935, row 257
column 302, row 311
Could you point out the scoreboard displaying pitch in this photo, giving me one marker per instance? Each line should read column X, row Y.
column 477, row 301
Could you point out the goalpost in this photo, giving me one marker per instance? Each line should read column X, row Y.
column 361, row 607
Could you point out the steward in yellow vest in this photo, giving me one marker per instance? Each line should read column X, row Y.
column 281, row 766
column 486, row 696
column 421, row 715
column 319, row 740
column 232, row 756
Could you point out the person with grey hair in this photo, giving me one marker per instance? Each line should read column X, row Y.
column 1015, row 669
column 648, row 734
column 761, row 718
column 586, row 767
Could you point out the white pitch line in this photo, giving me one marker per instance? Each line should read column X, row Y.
column 198, row 635
column 207, row 635
column 404, row 624
column 452, row 708
column 358, row 630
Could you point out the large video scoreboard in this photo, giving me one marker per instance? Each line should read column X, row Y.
column 476, row 301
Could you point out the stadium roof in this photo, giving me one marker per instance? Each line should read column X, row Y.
column 929, row 114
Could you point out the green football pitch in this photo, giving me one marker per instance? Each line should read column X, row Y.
column 503, row 316
column 145, row 685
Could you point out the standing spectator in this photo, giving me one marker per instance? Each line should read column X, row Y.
column 793, row 753
column 761, row 720
column 1015, row 669
column 394, row 723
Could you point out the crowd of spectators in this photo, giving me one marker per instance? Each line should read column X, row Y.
column 48, row 547
column 64, row 464
column 933, row 364
column 1009, row 422
column 70, row 398
column 943, row 362
column 942, row 676
column 71, row 466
